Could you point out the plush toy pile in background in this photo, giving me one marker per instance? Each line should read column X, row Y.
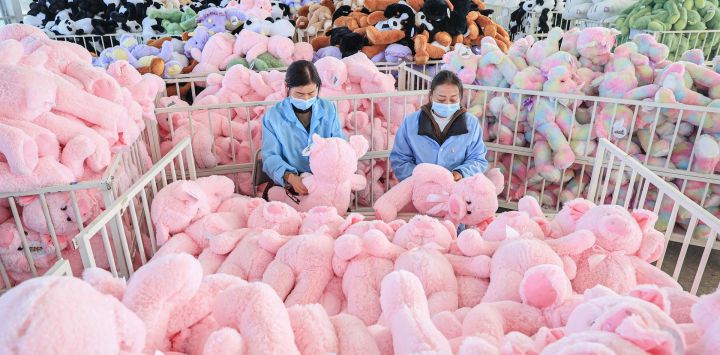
column 239, row 275
column 63, row 121
column 598, row 12
column 584, row 63
column 389, row 30
column 223, row 137
column 533, row 17
column 673, row 15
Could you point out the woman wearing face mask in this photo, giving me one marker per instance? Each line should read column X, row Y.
column 441, row 133
column 288, row 127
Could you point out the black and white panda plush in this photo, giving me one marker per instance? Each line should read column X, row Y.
column 521, row 19
column 280, row 10
column 542, row 11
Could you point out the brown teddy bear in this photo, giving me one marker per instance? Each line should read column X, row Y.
column 316, row 18
column 424, row 51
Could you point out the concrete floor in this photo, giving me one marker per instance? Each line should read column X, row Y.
column 711, row 276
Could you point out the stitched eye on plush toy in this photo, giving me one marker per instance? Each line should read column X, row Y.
column 26, row 233
column 69, row 219
column 64, row 208
column 20, row 248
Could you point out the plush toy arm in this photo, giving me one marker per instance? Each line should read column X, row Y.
column 649, row 274
column 388, row 205
column 377, row 244
column 348, row 246
column 574, row 243
column 478, row 266
column 272, row 241
column 470, row 243
column 178, row 244
column 224, row 243
column 652, row 246
column 358, row 182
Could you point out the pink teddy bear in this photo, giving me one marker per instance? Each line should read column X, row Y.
column 333, row 162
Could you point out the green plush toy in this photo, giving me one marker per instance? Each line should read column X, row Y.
column 238, row 61
column 265, row 62
column 172, row 15
column 670, row 15
column 175, row 21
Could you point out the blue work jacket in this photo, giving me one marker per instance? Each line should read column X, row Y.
column 462, row 150
column 285, row 138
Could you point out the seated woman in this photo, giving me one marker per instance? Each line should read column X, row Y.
column 288, row 128
column 441, row 133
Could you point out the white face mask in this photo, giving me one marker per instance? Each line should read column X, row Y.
column 445, row 110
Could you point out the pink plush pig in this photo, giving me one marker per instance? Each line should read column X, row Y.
column 612, row 262
column 640, row 322
column 48, row 172
column 215, row 55
column 333, row 162
column 432, row 190
column 250, row 44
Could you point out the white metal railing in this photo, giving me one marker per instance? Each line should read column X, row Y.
column 126, row 167
column 130, row 214
column 611, row 160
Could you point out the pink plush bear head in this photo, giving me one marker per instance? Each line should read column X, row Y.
column 276, row 216
column 333, row 72
column 615, row 228
column 473, row 200
column 424, row 230
column 237, row 80
column 57, row 305
column 65, row 220
column 176, row 206
column 12, row 253
column 336, row 159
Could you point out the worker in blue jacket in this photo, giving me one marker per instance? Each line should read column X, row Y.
column 288, row 127
column 441, row 133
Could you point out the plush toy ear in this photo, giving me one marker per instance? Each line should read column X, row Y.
column 497, row 178
column 530, row 205
column 457, row 208
column 25, row 200
column 351, row 219
column 359, row 144
column 253, row 204
column 451, row 228
column 646, row 219
column 316, row 139
column 578, row 207
column 652, row 294
column 544, row 225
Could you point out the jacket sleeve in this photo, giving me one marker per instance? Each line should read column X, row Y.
column 273, row 164
column 402, row 159
column 475, row 161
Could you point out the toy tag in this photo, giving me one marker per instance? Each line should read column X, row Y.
column 335, row 81
column 619, row 131
column 306, row 151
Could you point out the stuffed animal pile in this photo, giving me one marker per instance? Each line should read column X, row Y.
column 603, row 12
column 532, row 17
column 674, row 15
column 223, row 137
column 85, row 17
column 558, row 131
column 244, row 276
column 163, row 57
column 387, row 30
column 63, row 121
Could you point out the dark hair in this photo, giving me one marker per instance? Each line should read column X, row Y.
column 446, row 77
column 301, row 73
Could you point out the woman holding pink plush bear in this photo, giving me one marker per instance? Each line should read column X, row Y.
column 440, row 133
column 288, row 128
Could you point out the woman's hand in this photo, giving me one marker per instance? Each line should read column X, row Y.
column 457, row 176
column 297, row 184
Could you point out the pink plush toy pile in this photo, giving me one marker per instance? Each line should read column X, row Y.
column 62, row 121
column 222, row 49
column 266, row 279
column 587, row 62
column 228, row 136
